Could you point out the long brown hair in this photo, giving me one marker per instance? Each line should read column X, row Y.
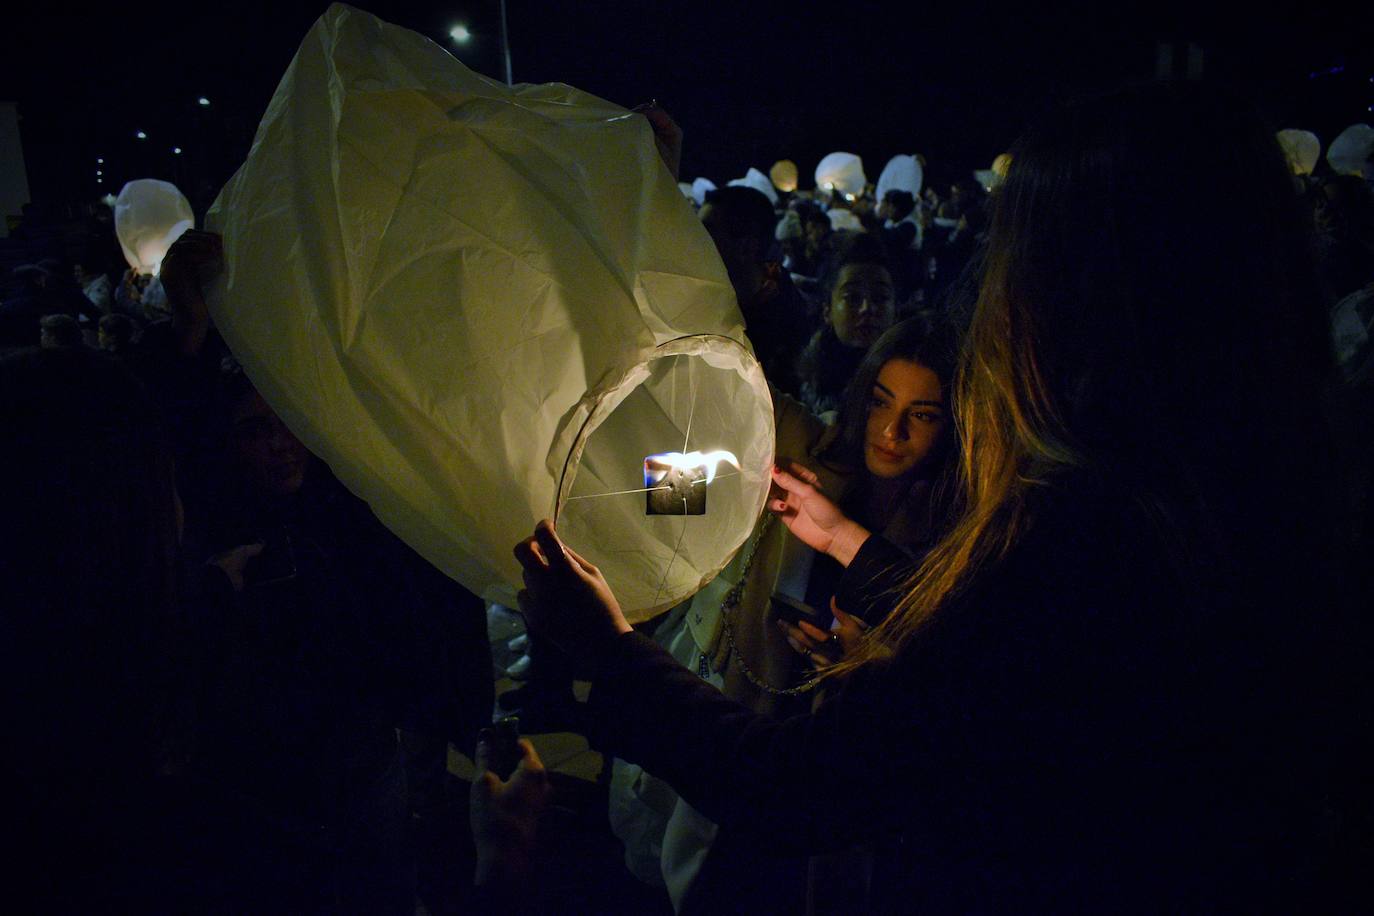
column 1147, row 312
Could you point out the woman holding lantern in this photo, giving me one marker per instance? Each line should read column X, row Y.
column 1095, row 690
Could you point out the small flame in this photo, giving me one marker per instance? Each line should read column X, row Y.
column 708, row 460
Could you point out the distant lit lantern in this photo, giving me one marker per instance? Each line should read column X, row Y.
column 759, row 182
column 1350, row 152
column 700, row 188
column 460, row 34
column 1302, row 149
column 176, row 151
column 987, row 178
column 783, row 174
column 842, row 172
column 149, row 215
column 203, row 102
column 1002, row 164
column 484, row 305
column 109, row 200
column 140, row 135
column 902, row 173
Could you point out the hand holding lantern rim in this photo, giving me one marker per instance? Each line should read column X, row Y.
column 565, row 598
column 810, row 515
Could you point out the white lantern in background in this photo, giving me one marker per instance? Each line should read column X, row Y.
column 902, row 173
column 149, row 215
column 1302, row 148
column 485, row 305
column 700, row 188
column 841, row 172
column 1350, row 152
column 759, row 182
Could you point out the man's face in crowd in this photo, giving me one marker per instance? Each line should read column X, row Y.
column 274, row 458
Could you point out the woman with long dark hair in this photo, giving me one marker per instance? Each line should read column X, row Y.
column 1102, row 688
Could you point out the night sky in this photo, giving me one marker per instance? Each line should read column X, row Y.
column 750, row 82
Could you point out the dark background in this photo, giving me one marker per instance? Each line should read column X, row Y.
column 751, row 82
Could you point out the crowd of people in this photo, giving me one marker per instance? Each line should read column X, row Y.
column 1059, row 602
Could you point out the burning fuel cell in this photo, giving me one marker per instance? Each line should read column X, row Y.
column 676, row 483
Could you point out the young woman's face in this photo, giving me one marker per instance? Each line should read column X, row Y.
column 863, row 304
column 906, row 417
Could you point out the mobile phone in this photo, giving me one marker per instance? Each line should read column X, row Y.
column 276, row 563
column 504, row 752
column 785, row 607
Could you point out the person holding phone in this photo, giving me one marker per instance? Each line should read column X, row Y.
column 1112, row 683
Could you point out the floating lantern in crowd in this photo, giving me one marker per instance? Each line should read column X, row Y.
column 783, row 174
column 1350, row 153
column 759, row 182
column 841, row 173
column 485, row 305
column 1002, row 165
column 149, row 215
column 902, row 173
column 1302, row 148
column 700, row 188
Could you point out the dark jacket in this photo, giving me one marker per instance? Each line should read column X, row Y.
column 1073, row 731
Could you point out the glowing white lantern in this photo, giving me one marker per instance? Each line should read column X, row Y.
column 149, row 215
column 842, row 172
column 1302, row 148
column 1350, row 152
column 686, row 188
column 700, row 188
column 759, row 182
column 902, row 173
column 485, row 305
column 987, row 178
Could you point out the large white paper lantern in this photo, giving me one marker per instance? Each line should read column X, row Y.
column 841, row 172
column 1350, row 152
column 149, row 215
column 902, row 173
column 486, row 305
column 759, row 182
column 1302, row 148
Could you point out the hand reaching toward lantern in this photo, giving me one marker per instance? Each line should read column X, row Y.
column 811, row 516
column 667, row 135
column 566, row 598
column 184, row 268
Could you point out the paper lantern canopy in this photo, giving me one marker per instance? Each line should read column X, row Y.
column 1302, row 149
column 149, row 215
column 485, row 305
column 783, row 174
column 842, row 173
column 759, row 182
column 902, row 173
column 1350, row 153
column 700, row 188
